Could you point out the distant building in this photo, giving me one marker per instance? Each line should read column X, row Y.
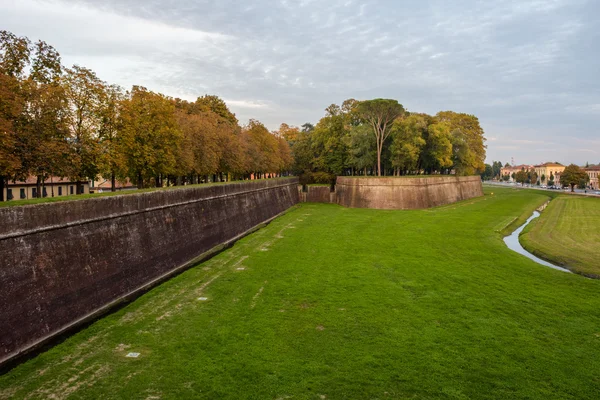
column 593, row 172
column 101, row 185
column 52, row 187
column 548, row 169
column 510, row 170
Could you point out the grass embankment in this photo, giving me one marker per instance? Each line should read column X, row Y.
column 567, row 233
column 14, row 203
column 341, row 303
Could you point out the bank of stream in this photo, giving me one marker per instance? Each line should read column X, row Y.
column 512, row 241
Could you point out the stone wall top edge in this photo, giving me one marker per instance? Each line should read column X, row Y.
column 229, row 187
column 399, row 181
column 21, row 219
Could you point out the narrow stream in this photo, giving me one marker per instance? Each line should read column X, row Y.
column 512, row 241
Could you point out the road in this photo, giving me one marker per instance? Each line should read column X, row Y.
column 591, row 193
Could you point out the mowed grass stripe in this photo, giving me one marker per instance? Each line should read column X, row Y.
column 567, row 233
column 343, row 303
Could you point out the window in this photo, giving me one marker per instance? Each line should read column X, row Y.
column 34, row 193
column 71, row 189
column 60, row 190
column 9, row 194
column 23, row 193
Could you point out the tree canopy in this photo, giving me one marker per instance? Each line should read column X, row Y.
column 573, row 175
column 57, row 121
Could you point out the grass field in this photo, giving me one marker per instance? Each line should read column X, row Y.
column 335, row 303
column 567, row 233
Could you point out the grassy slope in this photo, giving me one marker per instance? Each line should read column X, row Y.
column 567, row 233
column 347, row 304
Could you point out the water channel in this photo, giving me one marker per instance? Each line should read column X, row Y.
column 512, row 241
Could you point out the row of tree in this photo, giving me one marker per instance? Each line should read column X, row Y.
column 379, row 137
column 57, row 121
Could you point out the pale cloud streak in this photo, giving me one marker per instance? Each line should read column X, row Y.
column 526, row 68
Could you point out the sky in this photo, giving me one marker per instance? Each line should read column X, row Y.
column 528, row 69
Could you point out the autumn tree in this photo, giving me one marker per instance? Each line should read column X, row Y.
column 573, row 175
column 379, row 114
column 111, row 160
column 261, row 149
column 149, row 136
column 86, row 97
column 14, row 59
column 42, row 144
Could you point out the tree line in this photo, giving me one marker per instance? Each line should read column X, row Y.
column 380, row 138
column 67, row 122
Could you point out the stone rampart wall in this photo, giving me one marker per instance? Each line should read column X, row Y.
column 317, row 194
column 398, row 193
column 64, row 263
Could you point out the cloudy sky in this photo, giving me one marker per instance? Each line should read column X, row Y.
column 529, row 69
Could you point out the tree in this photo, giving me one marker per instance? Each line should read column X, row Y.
column 573, row 175
column 329, row 143
column 521, row 176
column 551, row 180
column 218, row 106
column 149, row 136
column 468, row 142
column 408, row 141
column 488, row 173
column 360, row 144
column 379, row 114
column 42, row 143
column 111, row 160
column 85, row 93
column 261, row 147
column 437, row 155
column 543, row 179
column 496, row 169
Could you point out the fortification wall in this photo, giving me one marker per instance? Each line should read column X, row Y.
column 398, row 193
column 317, row 194
column 64, row 263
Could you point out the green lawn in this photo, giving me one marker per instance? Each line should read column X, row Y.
column 337, row 303
column 567, row 233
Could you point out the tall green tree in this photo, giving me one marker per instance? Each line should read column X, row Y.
column 380, row 114
column 437, row 156
column 468, row 142
column 408, row 141
column 362, row 153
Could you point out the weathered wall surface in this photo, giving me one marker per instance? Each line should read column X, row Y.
column 397, row 193
column 63, row 262
column 317, row 194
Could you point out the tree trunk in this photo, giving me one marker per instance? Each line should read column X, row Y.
column 113, row 184
column 140, row 181
column 2, row 187
column 38, row 187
